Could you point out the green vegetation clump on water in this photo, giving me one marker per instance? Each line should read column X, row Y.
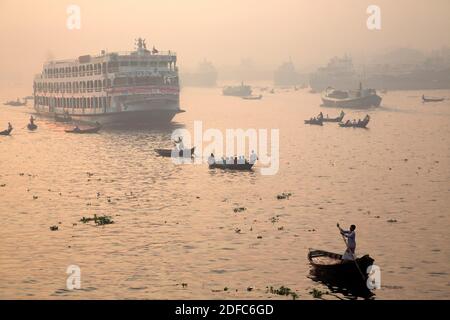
column 283, row 291
column 317, row 294
column 99, row 221
column 284, row 195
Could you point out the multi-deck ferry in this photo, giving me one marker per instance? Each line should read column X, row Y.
column 137, row 86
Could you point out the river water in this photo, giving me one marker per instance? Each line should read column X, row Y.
column 175, row 224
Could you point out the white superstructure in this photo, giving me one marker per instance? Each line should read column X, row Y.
column 141, row 85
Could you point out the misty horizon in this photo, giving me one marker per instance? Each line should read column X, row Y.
column 258, row 32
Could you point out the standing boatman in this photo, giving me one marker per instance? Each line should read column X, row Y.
column 351, row 242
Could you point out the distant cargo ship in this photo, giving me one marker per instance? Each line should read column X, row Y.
column 286, row 75
column 238, row 91
column 361, row 98
column 339, row 73
column 204, row 76
column 137, row 86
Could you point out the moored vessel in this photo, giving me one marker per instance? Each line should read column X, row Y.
column 238, row 91
column 361, row 98
column 117, row 87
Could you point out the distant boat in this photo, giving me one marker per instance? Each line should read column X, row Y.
column 84, row 131
column 253, row 97
column 318, row 122
column 359, row 124
column 16, row 103
column 6, row 132
column 429, row 99
column 337, row 119
column 361, row 98
column 238, row 91
column 181, row 153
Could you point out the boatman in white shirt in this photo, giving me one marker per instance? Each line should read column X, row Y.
column 253, row 157
column 351, row 242
column 211, row 159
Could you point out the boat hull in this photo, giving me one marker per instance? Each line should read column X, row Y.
column 240, row 167
column 185, row 153
column 357, row 103
column 343, row 275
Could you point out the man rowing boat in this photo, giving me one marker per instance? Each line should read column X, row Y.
column 351, row 242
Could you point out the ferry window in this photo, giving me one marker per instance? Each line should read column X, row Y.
column 143, row 63
column 142, row 80
column 120, row 81
column 134, row 63
column 112, row 66
column 124, row 63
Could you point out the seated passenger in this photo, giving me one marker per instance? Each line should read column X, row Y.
column 211, row 159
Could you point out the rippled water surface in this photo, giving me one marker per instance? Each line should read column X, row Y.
column 175, row 224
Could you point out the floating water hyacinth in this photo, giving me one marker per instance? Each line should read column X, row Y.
column 284, row 195
column 100, row 221
column 317, row 294
column 283, row 291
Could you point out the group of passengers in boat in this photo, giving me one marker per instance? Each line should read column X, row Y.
column 357, row 123
column 233, row 160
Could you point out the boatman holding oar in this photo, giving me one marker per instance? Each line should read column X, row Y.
column 351, row 242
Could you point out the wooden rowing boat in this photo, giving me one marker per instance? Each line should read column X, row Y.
column 186, row 153
column 360, row 124
column 337, row 119
column 330, row 269
column 252, row 97
column 425, row 99
column 5, row 132
column 84, row 131
column 317, row 122
column 232, row 166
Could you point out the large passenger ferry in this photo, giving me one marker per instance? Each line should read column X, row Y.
column 116, row 87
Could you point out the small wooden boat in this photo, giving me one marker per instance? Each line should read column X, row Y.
column 330, row 268
column 425, row 99
column 317, row 122
column 16, row 103
column 232, row 166
column 253, row 97
column 6, row 132
column 337, row 119
column 333, row 265
column 62, row 118
column 83, row 131
column 31, row 126
column 186, row 153
column 359, row 124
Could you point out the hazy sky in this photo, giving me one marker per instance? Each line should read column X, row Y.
column 224, row 31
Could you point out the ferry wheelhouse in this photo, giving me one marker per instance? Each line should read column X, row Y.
column 141, row 85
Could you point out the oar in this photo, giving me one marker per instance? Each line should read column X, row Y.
column 354, row 257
